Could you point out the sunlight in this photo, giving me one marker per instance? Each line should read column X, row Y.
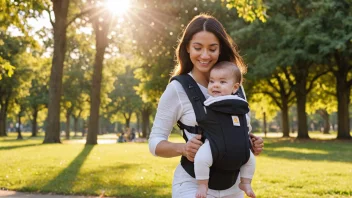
column 118, row 7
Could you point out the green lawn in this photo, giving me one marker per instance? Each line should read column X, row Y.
column 287, row 168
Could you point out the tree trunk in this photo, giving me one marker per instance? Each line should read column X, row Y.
column 264, row 124
column 3, row 115
column 85, row 128
column 285, row 121
column 145, row 122
column 52, row 134
column 34, row 122
column 324, row 114
column 138, row 115
column 101, row 29
column 343, row 91
column 343, row 117
column 2, row 121
column 19, row 136
column 301, row 95
column 127, row 119
column 67, row 126
column 75, row 124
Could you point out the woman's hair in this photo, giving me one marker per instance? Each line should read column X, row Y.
column 204, row 22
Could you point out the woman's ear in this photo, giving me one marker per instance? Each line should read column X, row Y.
column 187, row 48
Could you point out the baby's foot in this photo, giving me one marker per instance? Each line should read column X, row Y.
column 202, row 191
column 247, row 188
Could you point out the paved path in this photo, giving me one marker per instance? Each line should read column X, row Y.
column 13, row 194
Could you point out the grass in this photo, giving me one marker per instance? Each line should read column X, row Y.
column 287, row 168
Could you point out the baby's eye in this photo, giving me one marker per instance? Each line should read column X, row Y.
column 222, row 82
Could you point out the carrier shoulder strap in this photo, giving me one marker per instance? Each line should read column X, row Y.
column 194, row 94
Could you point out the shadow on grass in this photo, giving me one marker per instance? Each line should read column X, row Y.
column 15, row 140
column 18, row 146
column 68, row 175
column 125, row 181
column 313, row 150
column 118, row 180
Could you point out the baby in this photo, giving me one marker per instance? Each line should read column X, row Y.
column 225, row 80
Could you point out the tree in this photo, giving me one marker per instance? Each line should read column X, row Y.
column 284, row 38
column 280, row 93
column 38, row 92
column 101, row 21
column 11, row 86
column 333, row 27
column 321, row 99
column 52, row 132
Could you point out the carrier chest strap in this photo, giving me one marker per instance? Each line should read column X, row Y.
column 195, row 95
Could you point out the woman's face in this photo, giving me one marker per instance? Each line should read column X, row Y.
column 204, row 50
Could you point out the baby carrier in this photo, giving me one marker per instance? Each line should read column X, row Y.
column 224, row 124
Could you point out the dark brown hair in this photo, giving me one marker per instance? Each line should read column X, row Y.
column 204, row 22
column 232, row 67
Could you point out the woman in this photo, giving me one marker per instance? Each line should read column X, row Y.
column 203, row 44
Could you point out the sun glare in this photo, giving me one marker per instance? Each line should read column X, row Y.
column 118, row 7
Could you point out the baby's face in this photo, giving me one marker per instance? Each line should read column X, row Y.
column 221, row 83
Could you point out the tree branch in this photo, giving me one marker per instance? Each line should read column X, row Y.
column 79, row 15
column 50, row 17
column 273, row 86
column 288, row 77
column 314, row 79
column 273, row 97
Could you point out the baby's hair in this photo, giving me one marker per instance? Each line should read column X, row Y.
column 231, row 67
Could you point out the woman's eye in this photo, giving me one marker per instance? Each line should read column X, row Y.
column 197, row 48
column 212, row 50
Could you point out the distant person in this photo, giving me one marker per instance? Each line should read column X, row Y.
column 133, row 134
column 121, row 138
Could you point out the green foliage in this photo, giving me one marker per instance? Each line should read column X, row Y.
column 260, row 103
column 6, row 68
column 249, row 10
column 14, row 52
column 124, row 99
column 23, row 8
column 77, row 73
column 323, row 95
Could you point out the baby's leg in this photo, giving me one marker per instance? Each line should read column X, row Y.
column 246, row 173
column 202, row 162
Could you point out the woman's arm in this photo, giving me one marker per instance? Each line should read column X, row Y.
column 170, row 149
column 257, row 142
column 189, row 149
column 169, row 111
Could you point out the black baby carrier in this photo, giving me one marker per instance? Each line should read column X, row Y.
column 229, row 142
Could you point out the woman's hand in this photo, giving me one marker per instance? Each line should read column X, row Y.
column 257, row 144
column 192, row 147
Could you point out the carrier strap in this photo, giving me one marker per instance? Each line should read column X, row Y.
column 194, row 94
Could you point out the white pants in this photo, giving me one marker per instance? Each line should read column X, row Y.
column 189, row 189
column 204, row 159
column 185, row 186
